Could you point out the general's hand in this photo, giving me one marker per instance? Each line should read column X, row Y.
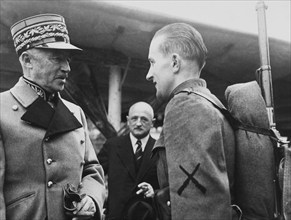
column 146, row 189
column 85, row 209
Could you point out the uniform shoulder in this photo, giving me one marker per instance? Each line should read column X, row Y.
column 5, row 93
column 188, row 100
column 191, row 105
column 4, row 96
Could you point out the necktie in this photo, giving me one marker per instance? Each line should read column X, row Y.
column 138, row 153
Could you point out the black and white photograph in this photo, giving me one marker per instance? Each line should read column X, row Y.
column 145, row 110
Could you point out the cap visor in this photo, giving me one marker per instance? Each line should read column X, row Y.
column 59, row 46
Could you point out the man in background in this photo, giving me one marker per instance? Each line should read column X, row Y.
column 128, row 163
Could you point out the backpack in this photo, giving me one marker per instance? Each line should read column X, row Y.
column 256, row 188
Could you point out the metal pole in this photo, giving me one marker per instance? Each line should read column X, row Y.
column 114, row 98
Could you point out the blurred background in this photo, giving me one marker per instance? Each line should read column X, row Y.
column 109, row 76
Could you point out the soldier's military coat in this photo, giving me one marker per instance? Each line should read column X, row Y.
column 41, row 150
column 196, row 156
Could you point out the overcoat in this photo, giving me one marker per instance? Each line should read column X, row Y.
column 117, row 159
column 41, row 150
column 196, row 156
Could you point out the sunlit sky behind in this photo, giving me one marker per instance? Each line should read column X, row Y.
column 235, row 15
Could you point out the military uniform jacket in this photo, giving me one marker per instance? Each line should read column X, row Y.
column 41, row 150
column 198, row 144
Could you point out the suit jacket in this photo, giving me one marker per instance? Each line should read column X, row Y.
column 41, row 150
column 117, row 160
column 196, row 156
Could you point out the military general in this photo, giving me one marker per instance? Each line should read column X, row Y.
column 45, row 150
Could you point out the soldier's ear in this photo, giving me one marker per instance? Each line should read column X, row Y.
column 176, row 62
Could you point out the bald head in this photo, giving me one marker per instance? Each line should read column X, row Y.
column 140, row 119
column 142, row 106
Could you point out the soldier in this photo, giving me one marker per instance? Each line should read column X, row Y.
column 44, row 141
column 196, row 146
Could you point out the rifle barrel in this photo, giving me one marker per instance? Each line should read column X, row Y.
column 265, row 76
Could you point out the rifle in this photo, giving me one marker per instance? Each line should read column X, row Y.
column 264, row 78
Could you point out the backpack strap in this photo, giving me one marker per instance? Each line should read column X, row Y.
column 271, row 133
column 235, row 124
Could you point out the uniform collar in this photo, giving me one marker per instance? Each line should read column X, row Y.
column 23, row 93
column 40, row 91
column 39, row 113
column 195, row 84
column 26, row 93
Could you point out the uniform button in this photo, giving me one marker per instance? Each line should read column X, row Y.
column 49, row 161
column 50, row 184
column 14, row 107
column 168, row 203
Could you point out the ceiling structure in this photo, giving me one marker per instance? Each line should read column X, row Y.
column 115, row 35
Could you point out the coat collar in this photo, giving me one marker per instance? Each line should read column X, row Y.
column 39, row 90
column 41, row 114
column 23, row 93
column 195, row 84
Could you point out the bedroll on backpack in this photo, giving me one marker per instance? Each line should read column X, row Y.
column 254, row 189
column 255, row 160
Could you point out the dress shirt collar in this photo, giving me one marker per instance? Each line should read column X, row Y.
column 143, row 141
